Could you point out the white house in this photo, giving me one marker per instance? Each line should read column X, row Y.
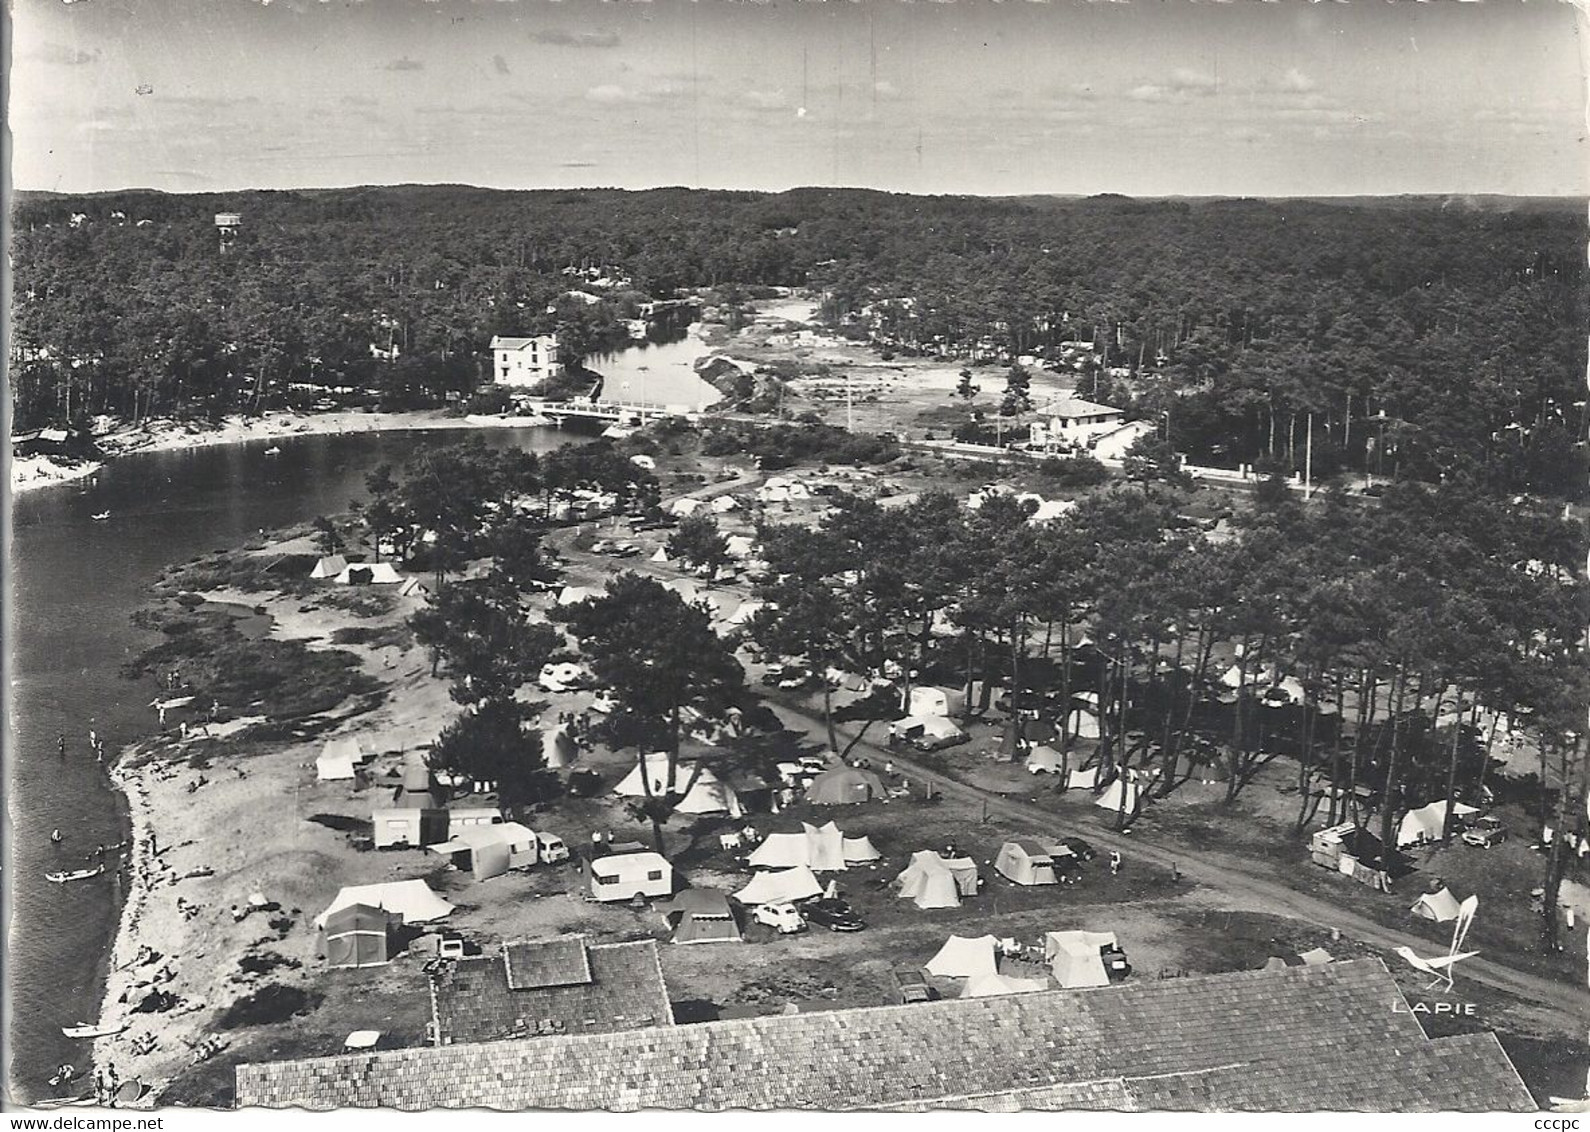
column 525, row 361
column 1073, row 421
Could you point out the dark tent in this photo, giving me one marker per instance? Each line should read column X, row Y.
column 701, row 915
column 360, row 936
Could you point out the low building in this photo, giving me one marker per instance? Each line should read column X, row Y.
column 525, row 361
column 1337, row 1037
column 550, row 987
column 1073, row 422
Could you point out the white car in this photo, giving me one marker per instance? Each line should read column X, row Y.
column 604, row 702
column 782, row 918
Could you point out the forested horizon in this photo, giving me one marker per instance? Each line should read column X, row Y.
column 1415, row 337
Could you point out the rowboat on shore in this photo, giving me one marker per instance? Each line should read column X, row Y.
column 87, row 1030
column 100, row 517
column 76, row 874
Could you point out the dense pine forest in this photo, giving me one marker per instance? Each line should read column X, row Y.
column 1420, row 338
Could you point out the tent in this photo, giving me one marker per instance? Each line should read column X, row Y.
column 781, row 887
column 1085, row 779
column 1424, row 824
column 929, row 882
column 938, row 729
column 558, row 748
column 686, row 506
column 935, row 701
column 1438, row 906
column 417, row 777
column 338, row 759
column 740, row 546
column 964, row 872
column 707, row 795
column 1316, row 957
column 1044, row 759
column 329, row 566
column 1111, row 798
column 844, row 785
column 747, row 610
column 964, row 958
column 361, row 935
column 573, row 595
column 1026, row 861
column 492, row 849
column 859, row 850
column 1083, row 724
column 701, row 915
column 1074, row 957
column 413, row 587
column 411, row 899
column 725, row 503
column 825, row 848
column 660, row 556
column 986, row 986
column 369, row 574
column 1289, row 690
column 781, row 851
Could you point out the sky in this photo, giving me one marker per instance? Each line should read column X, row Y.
column 983, row 97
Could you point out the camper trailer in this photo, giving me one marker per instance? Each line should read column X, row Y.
column 625, row 876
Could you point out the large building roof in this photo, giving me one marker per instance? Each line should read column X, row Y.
column 1305, row 1038
column 551, row 987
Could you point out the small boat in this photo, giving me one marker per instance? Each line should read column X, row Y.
column 55, row 837
column 100, row 517
column 103, row 1030
column 77, row 874
column 273, row 450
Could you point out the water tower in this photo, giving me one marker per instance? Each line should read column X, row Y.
column 227, row 225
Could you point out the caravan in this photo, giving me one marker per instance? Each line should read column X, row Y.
column 629, row 876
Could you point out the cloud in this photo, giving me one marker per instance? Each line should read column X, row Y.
column 1293, row 81
column 613, row 94
column 558, row 37
column 63, row 55
column 766, row 99
column 1181, row 85
column 404, row 64
column 499, row 64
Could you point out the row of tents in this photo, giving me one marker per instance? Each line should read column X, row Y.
column 1075, row 960
column 336, row 568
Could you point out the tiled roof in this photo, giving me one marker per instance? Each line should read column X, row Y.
column 1337, row 1036
column 475, row 1001
column 558, row 962
column 1076, row 407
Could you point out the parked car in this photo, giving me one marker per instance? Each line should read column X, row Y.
column 604, row 702
column 1485, row 832
column 1080, row 849
column 1115, row 964
column 833, row 914
column 782, row 918
column 624, row 550
column 660, row 523
column 550, row 848
column 911, row 984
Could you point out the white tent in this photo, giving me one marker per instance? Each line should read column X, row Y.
column 1085, row 779
column 708, row 795
column 859, row 850
column 411, row 899
column 725, row 503
column 369, row 574
column 558, row 748
column 1028, row 861
column 1424, row 824
column 413, row 587
column 747, row 610
column 934, row 727
column 687, row 506
column 825, row 847
column 781, row 851
column 740, row 546
column 1045, row 759
column 1288, row 691
column 339, row 758
column 562, row 676
column 572, row 595
column 493, row 849
column 935, row 702
column 1111, row 798
column 660, row 555
column 964, row 958
column 986, row 986
column 964, row 872
column 799, row 883
column 929, row 882
column 1074, row 957
column 1083, row 724
column 329, row 566
column 1438, row 906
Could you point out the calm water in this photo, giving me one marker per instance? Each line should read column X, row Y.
column 656, row 373
column 75, row 584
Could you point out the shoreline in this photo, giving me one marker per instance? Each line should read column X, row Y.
column 163, row 434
